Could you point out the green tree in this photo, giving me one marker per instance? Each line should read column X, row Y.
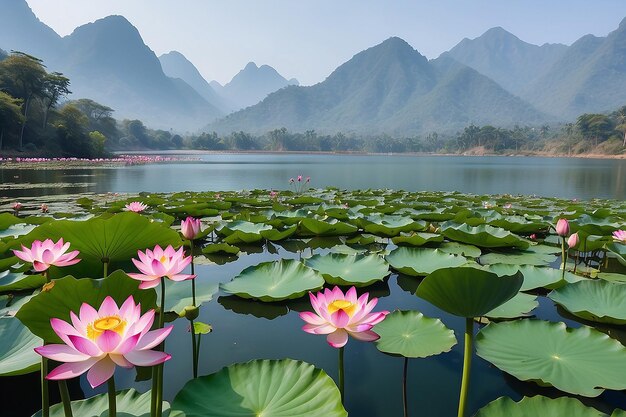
column 10, row 114
column 98, row 144
column 71, row 125
column 55, row 86
column 620, row 117
column 597, row 127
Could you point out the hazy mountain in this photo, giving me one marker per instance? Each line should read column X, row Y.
column 20, row 30
column 505, row 58
column 176, row 65
column 387, row 88
column 252, row 84
column 589, row 77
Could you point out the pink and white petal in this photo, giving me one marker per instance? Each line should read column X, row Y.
column 101, row 372
column 366, row 336
column 340, row 319
column 149, row 284
column 157, row 268
column 61, row 353
column 142, row 277
column 338, row 294
column 143, row 258
column 108, row 341
column 337, row 339
column 375, row 318
column 181, row 277
column 319, row 329
column 71, row 369
column 80, row 327
column 351, row 295
column 127, row 309
column 85, row 346
column 146, row 357
column 23, row 254
column 128, row 344
column 153, row 338
column 87, row 314
column 108, row 307
column 143, row 324
column 48, row 256
column 355, row 328
column 144, row 268
column 63, row 329
column 120, row 360
column 39, row 266
column 312, row 318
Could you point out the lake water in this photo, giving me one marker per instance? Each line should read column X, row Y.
column 548, row 177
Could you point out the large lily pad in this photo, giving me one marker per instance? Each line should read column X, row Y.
column 580, row 361
column 357, row 270
column 275, row 281
column 129, row 403
column 467, row 291
column 518, row 257
column 268, row 388
column 534, row 277
column 178, row 294
column 16, row 281
column 538, row 406
column 330, row 227
column 484, row 236
column 519, row 306
column 68, row 294
column 595, row 300
column 242, row 231
column 417, row 239
column 422, row 261
column 390, row 225
column 412, row 335
column 17, row 356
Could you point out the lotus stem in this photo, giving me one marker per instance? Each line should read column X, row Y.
column 159, row 399
column 45, row 397
column 576, row 261
column 341, row 374
column 65, row 398
column 467, row 364
column 405, row 401
column 563, row 257
column 194, row 351
column 112, row 404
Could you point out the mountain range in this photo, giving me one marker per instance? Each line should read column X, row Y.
column 391, row 88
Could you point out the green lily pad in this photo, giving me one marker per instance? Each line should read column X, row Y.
column 16, row 281
column 468, row 292
column 68, row 294
column 456, row 248
column 613, row 277
column 178, row 294
column 619, row 251
column 538, row 406
column 417, row 239
column 357, row 270
column 331, row 227
column 534, row 277
column 242, row 231
column 275, row 235
column 17, row 356
column 129, row 403
column 519, row 224
column 580, row 361
column 594, row 300
column 518, row 257
column 389, row 226
column 519, row 306
column 422, row 261
column 412, row 335
column 268, row 388
column 484, row 236
column 275, row 281
column 220, row 248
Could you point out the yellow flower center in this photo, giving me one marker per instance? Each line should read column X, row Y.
column 163, row 259
column 113, row 323
column 345, row 305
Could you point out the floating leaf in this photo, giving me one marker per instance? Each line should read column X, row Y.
column 268, row 388
column 483, row 236
column 178, row 294
column 390, row 225
column 468, row 292
column 421, row 261
column 412, row 335
column 417, row 239
column 357, row 270
column 314, row 227
column 17, row 356
column 275, row 281
column 534, row 277
column 538, row 406
column 580, row 361
column 16, row 281
column 519, row 306
column 456, row 248
column 220, row 248
column 517, row 257
column 594, row 300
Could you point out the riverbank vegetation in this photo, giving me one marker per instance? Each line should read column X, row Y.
column 36, row 119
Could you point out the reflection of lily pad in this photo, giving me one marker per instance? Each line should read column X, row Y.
column 256, row 308
column 483, row 236
column 275, row 281
column 412, row 335
column 17, row 356
column 538, row 406
column 178, row 294
column 594, row 300
column 267, row 388
column 580, row 361
column 421, row 261
column 357, row 270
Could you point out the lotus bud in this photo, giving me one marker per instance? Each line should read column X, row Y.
column 190, row 228
column 572, row 240
column 562, row 227
column 620, row 236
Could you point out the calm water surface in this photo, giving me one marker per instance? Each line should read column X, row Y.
column 550, row 177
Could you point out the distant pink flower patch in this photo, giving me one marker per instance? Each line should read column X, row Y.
column 17, row 206
column 136, row 207
column 339, row 315
column 273, row 194
column 190, row 228
column 98, row 340
column 620, row 235
column 44, row 208
column 158, row 263
column 47, row 253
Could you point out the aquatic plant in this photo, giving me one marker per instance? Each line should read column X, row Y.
column 45, row 254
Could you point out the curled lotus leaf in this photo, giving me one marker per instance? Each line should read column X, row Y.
column 417, row 239
column 595, row 300
column 330, row 227
column 519, row 306
column 413, row 335
column 357, row 270
column 580, row 361
column 390, row 226
column 539, row 406
column 482, row 236
column 17, row 356
column 518, row 257
column 534, row 276
column 275, row 281
column 268, row 388
column 422, row 261
column 520, row 224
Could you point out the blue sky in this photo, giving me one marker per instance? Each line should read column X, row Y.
column 307, row 39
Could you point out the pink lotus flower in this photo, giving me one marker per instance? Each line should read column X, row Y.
column 562, row 227
column 620, row 235
column 273, row 194
column 572, row 240
column 136, row 206
column 339, row 315
column 45, row 254
column 533, row 236
column 299, row 178
column 44, row 208
column 98, row 340
column 190, row 228
column 17, row 206
column 158, row 263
